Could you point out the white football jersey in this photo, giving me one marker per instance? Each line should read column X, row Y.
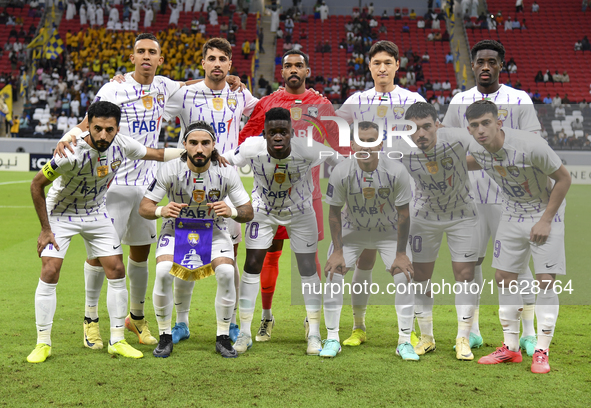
column 142, row 107
column 521, row 169
column 371, row 198
column 516, row 110
column 222, row 109
column 442, row 185
column 282, row 187
column 79, row 193
column 182, row 186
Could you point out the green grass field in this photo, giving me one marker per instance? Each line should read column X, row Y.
column 277, row 373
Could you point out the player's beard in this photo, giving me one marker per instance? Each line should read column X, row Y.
column 217, row 79
column 101, row 145
column 199, row 161
column 296, row 85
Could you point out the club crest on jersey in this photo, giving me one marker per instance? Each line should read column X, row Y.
column 313, row 111
column 384, row 192
column 232, row 102
column 193, row 238
column 432, row 167
column 501, row 170
column 398, row 112
column 369, row 192
column 199, row 195
column 447, row 163
column 382, row 111
column 503, row 113
column 160, row 100
column 296, row 113
column 513, row 170
column 214, row 195
column 218, row 103
column 115, row 165
column 294, row 177
column 279, row 177
column 148, row 102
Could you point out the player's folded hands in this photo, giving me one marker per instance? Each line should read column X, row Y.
column 221, row 209
column 172, row 210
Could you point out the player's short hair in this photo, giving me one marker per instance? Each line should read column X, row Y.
column 488, row 45
column 421, row 110
column 206, row 127
column 277, row 114
column 384, row 46
column 296, row 52
column 218, row 43
column 481, row 108
column 147, row 36
column 366, row 125
column 104, row 109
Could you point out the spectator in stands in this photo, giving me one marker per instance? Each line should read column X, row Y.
column 512, row 66
column 559, row 112
column 561, row 137
column 557, row 77
column 405, row 28
column 428, row 85
column 213, row 17
column 548, row 76
column 289, row 25
column 100, row 15
column 71, row 10
column 373, row 23
column 585, row 44
column 556, row 101
column 535, row 7
column 516, row 25
column 114, row 16
column 426, row 57
column 523, row 27
column 449, row 58
column 383, row 29
column 411, row 78
column 565, row 100
column 578, row 46
column 397, row 14
column 437, row 85
column 499, row 18
column 412, row 15
column 246, row 49
column 446, row 86
column 548, row 100
column 323, row 11
column 435, row 24
column 385, row 15
column 82, row 12
column 326, row 48
column 175, row 13
column 519, row 6
column 15, row 124
column 584, row 5
column 577, row 125
column 508, row 24
column 421, row 24
column 539, row 77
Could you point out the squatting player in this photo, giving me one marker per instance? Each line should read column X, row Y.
column 376, row 191
column 282, row 195
column 196, row 186
column 76, row 205
column 516, row 111
column 534, row 183
column 442, row 203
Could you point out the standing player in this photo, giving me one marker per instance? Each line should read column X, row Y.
column 214, row 102
column 142, row 98
column 76, row 205
column 282, row 195
column 376, row 192
column 534, row 183
column 442, row 203
column 196, row 186
column 306, row 106
column 386, row 100
column 516, row 110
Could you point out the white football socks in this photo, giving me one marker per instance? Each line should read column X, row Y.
column 45, row 305
column 225, row 297
column 237, row 288
column 94, row 276
column 547, row 307
column 525, row 281
column 312, row 291
column 465, row 304
column 424, row 308
column 360, row 300
column 117, row 307
column 183, row 291
column 162, row 296
column 510, row 308
column 405, row 303
column 478, row 280
column 138, row 285
column 333, row 304
column 249, row 289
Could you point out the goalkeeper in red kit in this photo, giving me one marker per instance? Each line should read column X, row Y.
column 307, row 107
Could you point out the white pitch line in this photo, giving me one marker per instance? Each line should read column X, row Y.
column 16, row 206
column 15, row 182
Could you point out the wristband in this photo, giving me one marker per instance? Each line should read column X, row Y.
column 234, row 213
column 158, row 212
column 171, row 153
column 75, row 131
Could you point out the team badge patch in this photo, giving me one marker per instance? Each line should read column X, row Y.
column 279, row 177
column 369, row 192
column 384, row 192
column 214, row 195
column 199, row 195
column 447, row 163
column 193, row 238
column 294, row 177
column 501, row 170
column 148, row 102
column 313, row 111
column 218, row 103
column 232, row 102
column 503, row 113
column 513, row 170
column 296, row 113
column 330, row 190
column 115, row 165
column 398, row 112
column 160, row 100
column 382, row 110
column 432, row 167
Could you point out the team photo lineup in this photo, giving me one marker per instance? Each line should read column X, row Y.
column 399, row 179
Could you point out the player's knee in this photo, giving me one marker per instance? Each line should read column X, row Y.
column 224, row 275
column 465, row 275
column 50, row 273
column 116, row 271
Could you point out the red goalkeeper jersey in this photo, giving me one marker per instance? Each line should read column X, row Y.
column 306, row 110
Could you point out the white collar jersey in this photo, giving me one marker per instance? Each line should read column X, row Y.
column 521, row 169
column 370, row 198
column 516, row 110
column 222, row 109
column 79, row 193
column 142, row 107
column 282, row 187
column 176, row 181
column 442, row 185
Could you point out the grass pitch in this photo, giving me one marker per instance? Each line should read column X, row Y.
column 278, row 372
